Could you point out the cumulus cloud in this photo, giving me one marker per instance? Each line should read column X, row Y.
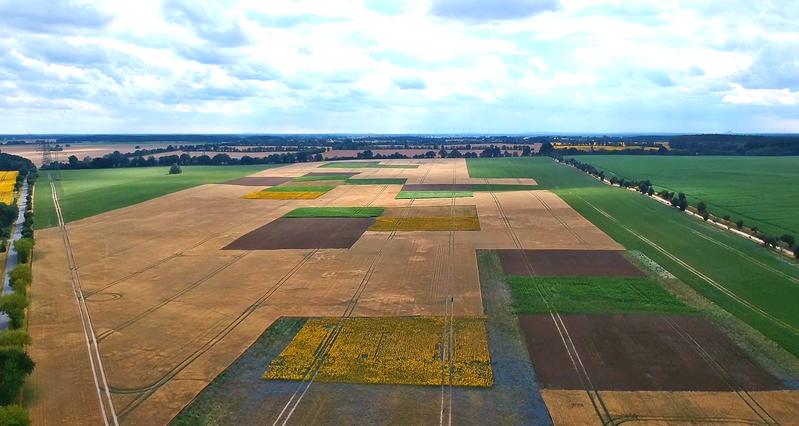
column 410, row 83
column 408, row 66
column 51, row 16
column 209, row 20
column 479, row 10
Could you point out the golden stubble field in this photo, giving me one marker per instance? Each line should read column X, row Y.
column 172, row 310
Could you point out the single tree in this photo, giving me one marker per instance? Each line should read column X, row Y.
column 726, row 217
column 788, row 239
column 14, row 415
column 175, row 169
column 739, row 224
column 701, row 207
column 14, row 305
column 15, row 364
column 682, row 204
column 769, row 240
column 796, row 252
column 651, row 191
column 705, row 215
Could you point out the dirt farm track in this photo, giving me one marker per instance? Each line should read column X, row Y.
column 176, row 297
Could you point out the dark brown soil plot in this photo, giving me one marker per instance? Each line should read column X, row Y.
column 304, row 233
column 437, row 187
column 558, row 263
column 640, row 352
column 259, row 181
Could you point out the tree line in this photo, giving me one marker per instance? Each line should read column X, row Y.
column 15, row 363
column 120, row 160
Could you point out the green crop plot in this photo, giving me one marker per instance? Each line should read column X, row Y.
column 498, row 187
column 757, row 285
column 761, row 191
column 335, row 212
column 377, row 181
column 590, row 295
column 368, row 165
column 85, row 193
column 406, row 195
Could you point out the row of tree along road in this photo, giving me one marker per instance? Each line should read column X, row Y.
column 16, row 221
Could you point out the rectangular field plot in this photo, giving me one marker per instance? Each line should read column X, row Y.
column 591, row 295
column 335, row 212
column 376, row 181
column 434, row 218
column 367, row 165
column 597, row 263
column 290, row 192
column 321, row 176
column 474, row 187
column 641, row 352
column 406, row 195
column 399, row 350
column 259, row 181
column 304, row 233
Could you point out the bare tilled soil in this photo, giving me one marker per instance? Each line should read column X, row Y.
column 259, row 181
column 602, row 263
column 304, row 233
column 642, row 353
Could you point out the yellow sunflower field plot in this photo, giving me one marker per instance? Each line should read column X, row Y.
column 402, row 350
column 8, row 179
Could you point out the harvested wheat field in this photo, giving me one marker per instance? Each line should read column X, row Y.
column 179, row 287
column 567, row 407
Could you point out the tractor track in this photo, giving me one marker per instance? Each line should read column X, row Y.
column 320, row 354
column 594, row 395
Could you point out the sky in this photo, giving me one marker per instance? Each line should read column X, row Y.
column 399, row 66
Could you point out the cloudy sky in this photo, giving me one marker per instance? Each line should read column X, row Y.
column 393, row 66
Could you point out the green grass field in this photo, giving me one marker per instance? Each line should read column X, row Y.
column 406, row 195
column 368, row 165
column 335, row 212
column 498, row 187
column 376, row 181
column 592, row 295
column 761, row 191
column 85, row 193
column 757, row 285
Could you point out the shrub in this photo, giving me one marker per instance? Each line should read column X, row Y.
column 739, row 224
column 15, row 364
column 769, row 240
column 701, row 207
column 14, row 338
column 705, row 215
column 788, row 239
column 14, row 415
column 682, row 204
column 24, row 246
column 726, row 217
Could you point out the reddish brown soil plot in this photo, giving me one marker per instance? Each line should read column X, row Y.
column 259, row 181
column 640, row 352
column 304, row 233
column 595, row 263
